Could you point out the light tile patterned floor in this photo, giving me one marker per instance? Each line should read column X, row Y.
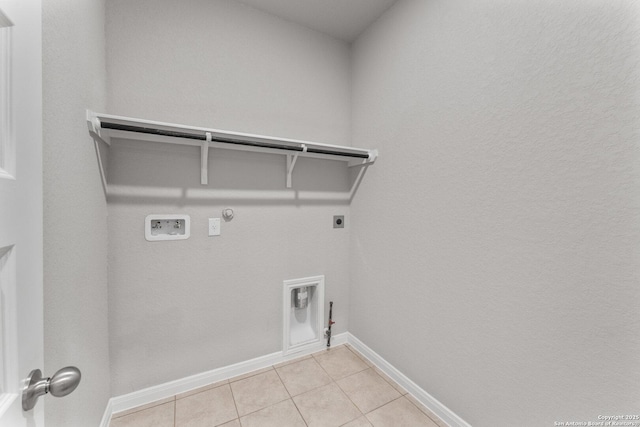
column 333, row 388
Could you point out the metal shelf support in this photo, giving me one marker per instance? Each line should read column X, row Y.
column 204, row 160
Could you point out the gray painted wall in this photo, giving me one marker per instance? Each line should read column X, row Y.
column 507, row 271
column 75, row 236
column 184, row 307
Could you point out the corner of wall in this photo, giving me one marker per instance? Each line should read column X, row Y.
column 75, row 238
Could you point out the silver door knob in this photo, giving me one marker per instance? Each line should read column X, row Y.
column 60, row 384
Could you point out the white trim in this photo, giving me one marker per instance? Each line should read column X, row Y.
column 9, row 389
column 435, row 406
column 6, row 400
column 106, row 417
column 162, row 391
column 7, row 137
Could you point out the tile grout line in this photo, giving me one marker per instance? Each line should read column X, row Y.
column 357, row 353
column 419, row 409
column 314, row 388
column 301, row 416
column 250, row 374
column 224, row 382
column 315, row 357
column 359, row 372
column 292, row 361
column 271, row 367
column 201, row 391
column 362, row 370
column 378, row 407
column 398, row 398
column 235, row 405
column 349, row 398
column 363, row 415
column 206, row 387
column 352, row 402
column 320, row 364
column 360, row 356
column 282, row 382
column 373, row 370
column 322, row 352
column 334, row 382
column 258, row 410
column 289, row 393
column 143, row 408
column 385, row 377
column 340, row 388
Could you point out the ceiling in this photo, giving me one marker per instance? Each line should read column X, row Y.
column 342, row 19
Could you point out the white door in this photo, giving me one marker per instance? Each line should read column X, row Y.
column 21, row 324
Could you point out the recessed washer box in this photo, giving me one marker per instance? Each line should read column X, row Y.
column 167, row 227
column 303, row 313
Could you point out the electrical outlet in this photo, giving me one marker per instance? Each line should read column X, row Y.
column 214, row 226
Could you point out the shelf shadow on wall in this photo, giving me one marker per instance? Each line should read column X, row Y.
column 140, row 172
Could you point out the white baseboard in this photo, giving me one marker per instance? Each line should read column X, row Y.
column 445, row 414
column 162, row 391
column 106, row 417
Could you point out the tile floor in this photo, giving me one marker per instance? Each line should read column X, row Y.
column 332, row 388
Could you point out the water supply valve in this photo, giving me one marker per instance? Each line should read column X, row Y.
column 301, row 297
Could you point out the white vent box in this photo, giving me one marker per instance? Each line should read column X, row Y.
column 167, row 227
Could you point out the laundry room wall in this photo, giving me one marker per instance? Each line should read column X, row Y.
column 75, row 210
column 504, row 279
column 179, row 308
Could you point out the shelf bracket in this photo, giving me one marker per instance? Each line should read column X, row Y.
column 103, row 176
column 94, row 130
column 93, row 122
column 291, row 163
column 373, row 155
column 204, row 160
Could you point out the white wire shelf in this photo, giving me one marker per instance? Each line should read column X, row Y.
column 103, row 127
